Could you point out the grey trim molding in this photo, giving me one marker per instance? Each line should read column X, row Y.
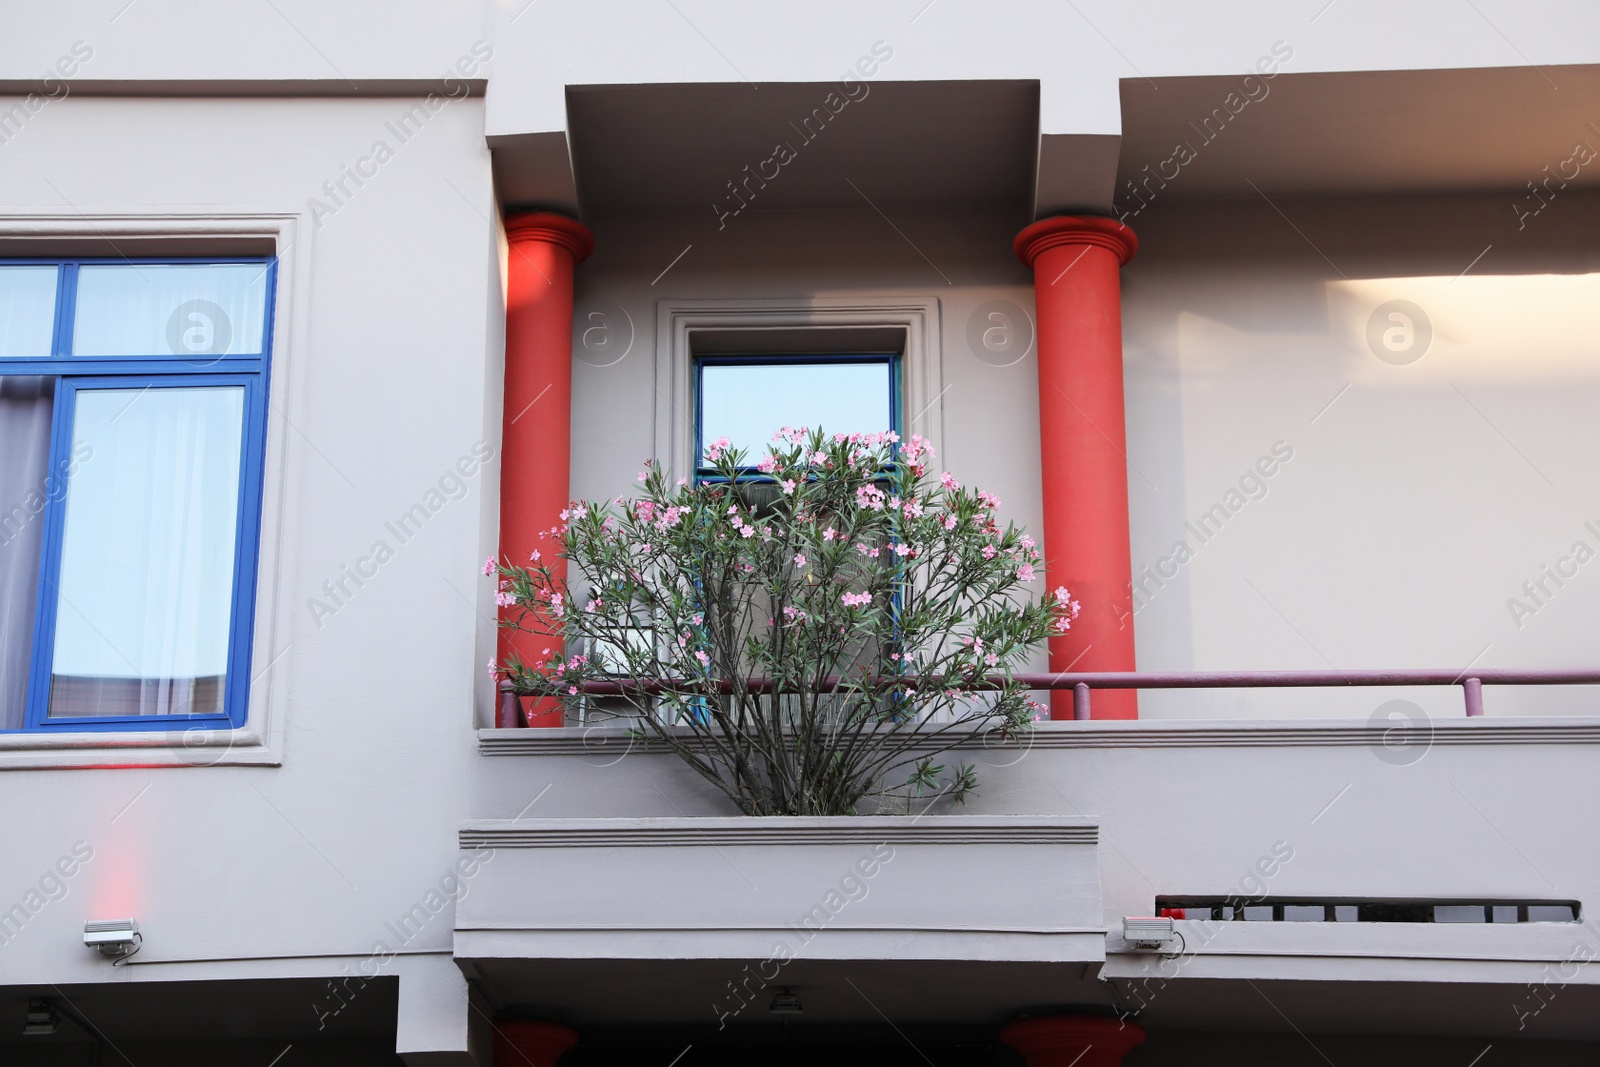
column 244, row 87
column 135, row 230
column 611, row 742
column 717, row 831
column 678, row 321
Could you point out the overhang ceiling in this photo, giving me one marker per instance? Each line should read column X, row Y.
column 1360, row 133
column 676, row 147
column 918, row 144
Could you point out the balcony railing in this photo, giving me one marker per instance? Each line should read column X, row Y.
column 1471, row 681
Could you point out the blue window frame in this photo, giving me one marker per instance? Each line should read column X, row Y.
column 142, row 385
column 748, row 398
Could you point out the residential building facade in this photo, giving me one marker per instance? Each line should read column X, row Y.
column 1274, row 322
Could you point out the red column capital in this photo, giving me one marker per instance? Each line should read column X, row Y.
column 1076, row 261
column 536, row 434
column 555, row 229
column 1081, row 1040
column 1076, row 230
column 528, row 1043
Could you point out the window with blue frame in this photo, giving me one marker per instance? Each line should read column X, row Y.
column 133, row 414
column 748, row 398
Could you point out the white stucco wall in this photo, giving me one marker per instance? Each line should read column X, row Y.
column 385, row 354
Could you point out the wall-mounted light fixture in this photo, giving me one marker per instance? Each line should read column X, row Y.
column 786, row 1002
column 41, row 1019
column 116, row 938
column 1146, row 932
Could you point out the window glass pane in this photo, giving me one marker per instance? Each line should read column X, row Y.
column 749, row 403
column 27, row 310
column 146, row 587
column 25, row 485
column 197, row 312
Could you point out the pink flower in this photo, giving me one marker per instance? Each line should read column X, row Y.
column 1025, row 573
column 705, row 660
column 788, row 485
column 991, row 659
column 799, row 559
column 856, row 600
column 716, row 448
column 573, row 690
column 494, row 668
column 535, row 557
column 948, row 480
column 949, row 522
column 901, row 549
column 989, row 499
column 988, row 552
column 829, row 534
column 869, row 496
column 913, row 509
column 916, row 449
column 488, row 567
column 643, row 475
column 505, row 600
column 748, row 531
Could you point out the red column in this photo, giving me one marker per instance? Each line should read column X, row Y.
column 1078, row 299
column 1073, row 1040
column 525, row 1043
column 536, row 441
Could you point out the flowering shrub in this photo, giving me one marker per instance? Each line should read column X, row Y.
column 809, row 635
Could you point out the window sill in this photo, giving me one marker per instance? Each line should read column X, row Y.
column 39, row 750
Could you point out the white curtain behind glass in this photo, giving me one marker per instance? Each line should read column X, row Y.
column 193, row 310
column 25, row 448
column 147, row 559
column 27, row 310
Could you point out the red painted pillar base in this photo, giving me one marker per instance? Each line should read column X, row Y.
column 526, row 1043
column 1076, row 263
column 536, row 436
column 1073, row 1040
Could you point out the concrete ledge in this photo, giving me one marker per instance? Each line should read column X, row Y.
column 743, row 830
column 872, row 887
column 612, row 741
